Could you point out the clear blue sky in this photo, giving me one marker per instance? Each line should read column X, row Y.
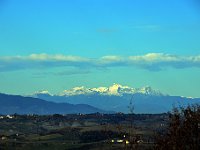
column 92, row 29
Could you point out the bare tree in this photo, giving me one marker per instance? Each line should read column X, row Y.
column 183, row 132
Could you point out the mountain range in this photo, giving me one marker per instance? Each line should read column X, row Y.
column 10, row 104
column 119, row 98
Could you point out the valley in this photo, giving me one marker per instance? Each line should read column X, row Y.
column 78, row 131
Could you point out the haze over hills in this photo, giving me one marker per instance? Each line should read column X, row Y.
column 117, row 98
column 10, row 104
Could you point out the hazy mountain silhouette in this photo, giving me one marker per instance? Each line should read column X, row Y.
column 142, row 103
column 117, row 98
column 10, row 104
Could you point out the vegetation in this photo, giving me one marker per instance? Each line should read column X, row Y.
column 178, row 130
column 183, row 132
column 78, row 131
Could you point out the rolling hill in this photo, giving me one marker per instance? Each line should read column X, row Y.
column 10, row 104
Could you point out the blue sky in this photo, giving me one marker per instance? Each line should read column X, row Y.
column 56, row 45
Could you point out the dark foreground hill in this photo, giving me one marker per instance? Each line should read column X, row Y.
column 10, row 104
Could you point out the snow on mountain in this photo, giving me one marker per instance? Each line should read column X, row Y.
column 115, row 89
column 149, row 91
column 76, row 91
column 43, row 92
column 117, row 98
column 102, row 90
column 40, row 93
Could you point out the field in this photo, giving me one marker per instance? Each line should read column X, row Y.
column 79, row 131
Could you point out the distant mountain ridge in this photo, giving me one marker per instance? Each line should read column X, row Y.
column 10, row 104
column 117, row 98
column 115, row 89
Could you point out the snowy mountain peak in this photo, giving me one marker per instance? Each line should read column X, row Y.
column 146, row 90
column 115, row 89
column 40, row 93
column 149, row 91
column 43, row 92
column 100, row 90
column 76, row 91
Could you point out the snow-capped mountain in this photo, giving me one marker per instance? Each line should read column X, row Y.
column 42, row 92
column 113, row 90
column 117, row 98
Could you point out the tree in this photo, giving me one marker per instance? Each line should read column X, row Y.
column 183, row 132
